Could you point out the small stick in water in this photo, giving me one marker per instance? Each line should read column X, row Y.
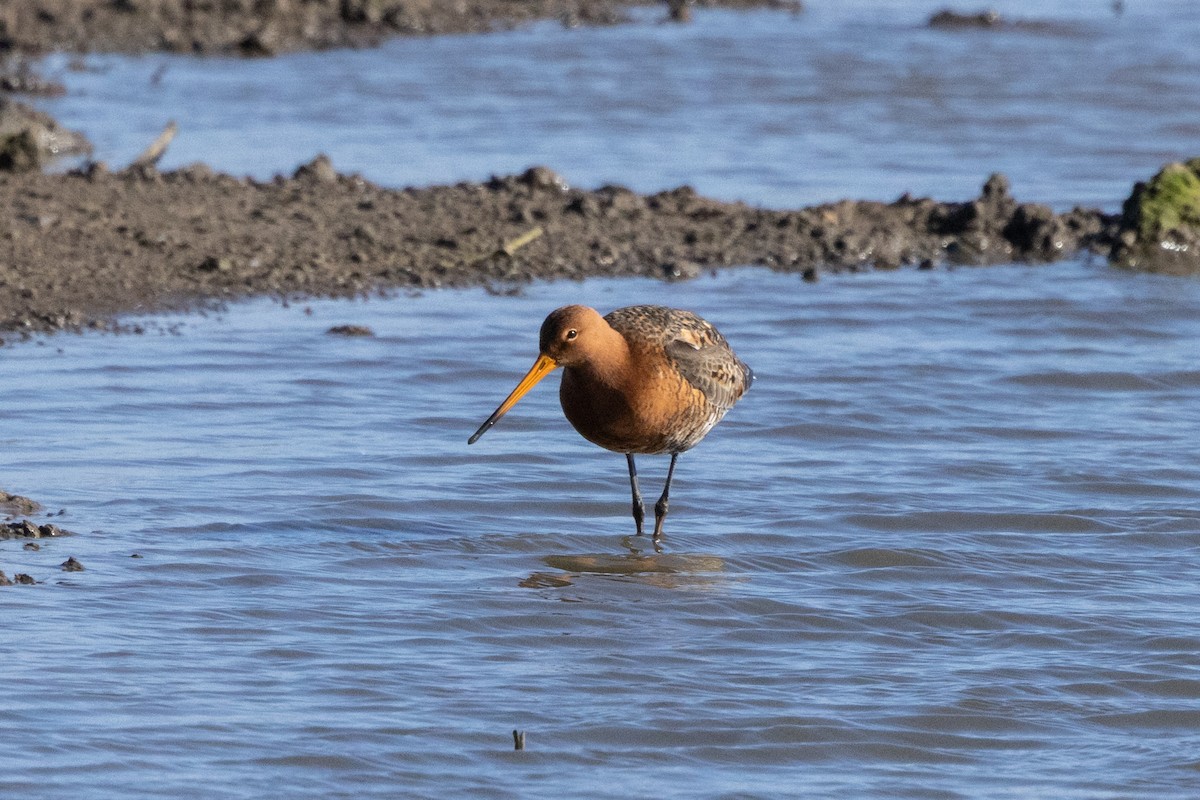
column 513, row 245
column 154, row 152
column 518, row 740
column 508, row 248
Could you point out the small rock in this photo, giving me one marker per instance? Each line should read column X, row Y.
column 996, row 189
column 350, row 330
column 96, row 170
column 5, row 580
column 364, row 11
column 32, row 546
column 585, row 206
column 680, row 270
column 319, row 170
column 23, row 579
column 365, row 233
column 259, row 44
column 216, row 264
column 619, row 200
column 543, row 178
column 72, row 565
column 197, row 172
column 1036, row 232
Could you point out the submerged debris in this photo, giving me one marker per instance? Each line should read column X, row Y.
column 350, row 330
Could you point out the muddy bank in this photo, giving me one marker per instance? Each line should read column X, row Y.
column 31, row 139
column 267, row 27
column 76, row 250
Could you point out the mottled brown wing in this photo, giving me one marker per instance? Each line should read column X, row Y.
column 693, row 346
column 712, row 368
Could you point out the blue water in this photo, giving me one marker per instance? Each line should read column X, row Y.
column 855, row 99
column 946, row 547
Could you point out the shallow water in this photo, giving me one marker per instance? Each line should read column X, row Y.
column 849, row 99
column 946, row 547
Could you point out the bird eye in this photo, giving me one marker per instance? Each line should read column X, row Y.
column 571, row 334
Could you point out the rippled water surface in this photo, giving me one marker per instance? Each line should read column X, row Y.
column 947, row 546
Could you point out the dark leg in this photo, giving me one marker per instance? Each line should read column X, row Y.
column 639, row 510
column 660, row 508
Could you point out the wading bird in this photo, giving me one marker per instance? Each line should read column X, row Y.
column 640, row 380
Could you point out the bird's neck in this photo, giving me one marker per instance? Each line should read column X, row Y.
column 607, row 365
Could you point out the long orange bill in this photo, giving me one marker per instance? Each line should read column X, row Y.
column 540, row 369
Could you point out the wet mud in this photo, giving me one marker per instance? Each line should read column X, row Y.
column 14, row 505
column 268, row 27
column 84, row 248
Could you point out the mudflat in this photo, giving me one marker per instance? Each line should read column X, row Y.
column 267, row 27
column 83, row 248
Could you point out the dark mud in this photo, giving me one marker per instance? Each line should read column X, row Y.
column 80, row 249
column 267, row 27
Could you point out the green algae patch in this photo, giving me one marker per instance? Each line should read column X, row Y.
column 1160, row 225
column 1170, row 201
